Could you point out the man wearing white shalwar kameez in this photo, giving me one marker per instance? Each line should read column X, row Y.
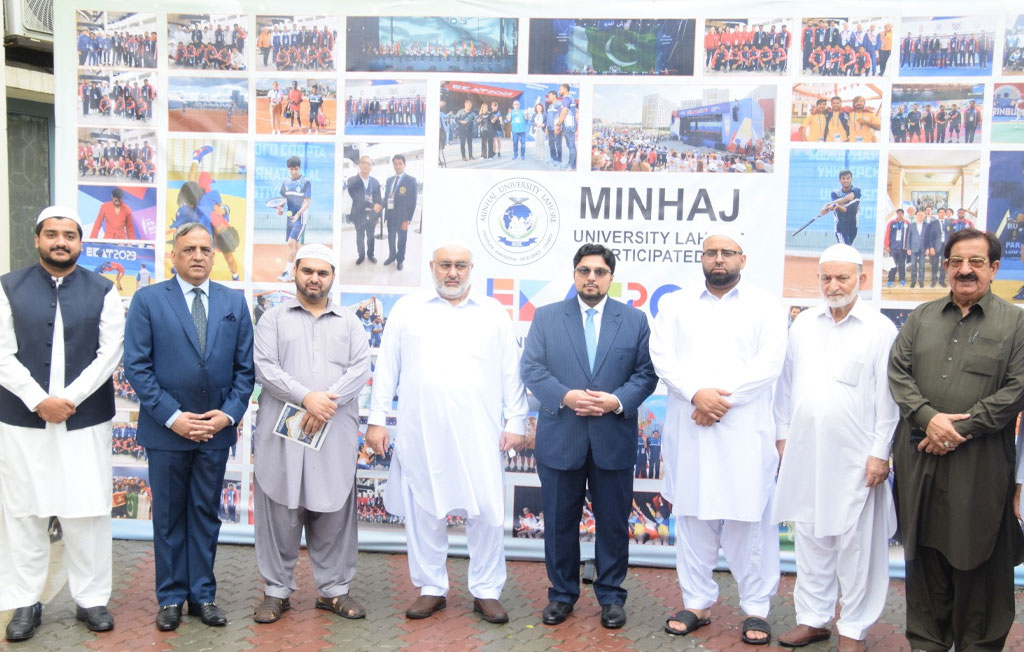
column 452, row 359
column 719, row 349
column 61, row 337
column 836, row 416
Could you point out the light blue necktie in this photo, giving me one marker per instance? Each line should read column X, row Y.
column 590, row 335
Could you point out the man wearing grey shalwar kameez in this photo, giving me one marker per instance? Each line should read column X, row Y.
column 311, row 352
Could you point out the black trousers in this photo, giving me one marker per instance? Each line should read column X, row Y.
column 971, row 609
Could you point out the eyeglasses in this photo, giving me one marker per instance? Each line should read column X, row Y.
column 446, row 265
column 714, row 253
column 976, row 262
column 599, row 272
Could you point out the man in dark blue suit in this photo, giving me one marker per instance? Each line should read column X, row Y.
column 188, row 356
column 365, row 193
column 400, row 205
column 586, row 361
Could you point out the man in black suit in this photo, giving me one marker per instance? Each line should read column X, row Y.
column 400, row 197
column 586, row 360
column 365, row 193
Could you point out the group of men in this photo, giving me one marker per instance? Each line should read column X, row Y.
column 207, row 56
column 129, row 101
column 741, row 49
column 956, row 50
column 124, row 49
column 916, row 238
column 831, row 122
column 199, row 35
column 385, row 112
column 113, row 159
column 303, row 48
column 909, row 124
column 826, row 44
column 826, row 399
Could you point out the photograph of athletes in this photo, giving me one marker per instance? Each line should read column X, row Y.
column 201, row 42
column 296, row 43
column 128, row 265
column 651, row 426
column 524, row 460
column 833, row 194
column 370, row 511
column 847, row 47
column 1005, row 217
column 836, row 113
column 118, row 212
column 382, row 208
column 296, row 106
column 368, row 459
column 116, row 154
column 118, row 39
column 611, row 46
column 946, row 46
column 372, row 310
column 432, row 44
column 294, row 204
column 1008, row 113
column 124, row 446
column 208, row 104
column 116, row 97
column 491, row 125
column 206, row 184
column 936, row 113
column 385, row 107
column 930, row 198
column 132, row 496
column 656, row 128
column 1013, row 46
column 746, row 46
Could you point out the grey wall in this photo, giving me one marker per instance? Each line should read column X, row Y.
column 29, row 173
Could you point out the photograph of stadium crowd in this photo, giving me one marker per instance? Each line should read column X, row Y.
column 654, row 128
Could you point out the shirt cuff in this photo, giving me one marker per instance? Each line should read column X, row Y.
column 174, row 417
column 230, row 418
column 618, row 410
column 881, row 450
column 33, row 397
column 377, row 418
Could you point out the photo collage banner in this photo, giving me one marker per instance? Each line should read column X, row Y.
column 527, row 133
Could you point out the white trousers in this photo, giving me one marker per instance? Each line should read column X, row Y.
column 427, row 541
column 751, row 549
column 855, row 564
column 87, row 554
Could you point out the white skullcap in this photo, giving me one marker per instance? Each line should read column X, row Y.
column 316, row 251
column 64, row 212
column 726, row 231
column 841, row 253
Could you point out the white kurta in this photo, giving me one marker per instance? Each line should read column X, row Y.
column 736, row 343
column 455, row 370
column 833, row 407
column 54, row 471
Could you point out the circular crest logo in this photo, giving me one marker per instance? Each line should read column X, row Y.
column 517, row 221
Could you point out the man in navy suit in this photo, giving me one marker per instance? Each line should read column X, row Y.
column 365, row 193
column 586, row 361
column 188, row 356
column 400, row 204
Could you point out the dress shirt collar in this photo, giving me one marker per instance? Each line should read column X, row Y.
column 599, row 307
column 294, row 303
column 186, row 287
column 858, row 312
column 732, row 294
column 983, row 304
column 470, row 298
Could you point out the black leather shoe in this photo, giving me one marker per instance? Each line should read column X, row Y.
column 24, row 622
column 389, row 260
column 556, row 612
column 400, row 265
column 168, row 618
column 209, row 613
column 371, row 259
column 97, row 619
column 359, row 261
column 613, row 616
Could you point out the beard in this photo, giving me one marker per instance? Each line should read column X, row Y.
column 841, row 301
column 450, row 292
column 59, row 264
column 313, row 295
column 722, row 280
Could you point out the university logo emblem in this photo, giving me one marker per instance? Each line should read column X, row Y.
column 517, row 221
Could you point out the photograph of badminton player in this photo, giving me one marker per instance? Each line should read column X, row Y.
column 199, row 202
column 844, row 205
column 296, row 193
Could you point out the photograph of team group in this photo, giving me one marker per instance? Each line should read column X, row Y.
column 259, row 216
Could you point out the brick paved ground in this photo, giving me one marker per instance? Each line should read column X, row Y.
column 382, row 584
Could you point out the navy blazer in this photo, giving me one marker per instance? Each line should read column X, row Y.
column 357, row 191
column 555, row 361
column 162, row 362
column 405, row 201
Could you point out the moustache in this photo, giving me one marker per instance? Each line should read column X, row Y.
column 967, row 277
column 60, row 248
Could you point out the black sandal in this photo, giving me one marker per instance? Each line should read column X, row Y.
column 756, row 624
column 692, row 621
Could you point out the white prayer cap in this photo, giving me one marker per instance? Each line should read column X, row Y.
column 841, row 253
column 316, row 251
column 65, row 212
column 726, row 231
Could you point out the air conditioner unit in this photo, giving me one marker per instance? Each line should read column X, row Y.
column 29, row 23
